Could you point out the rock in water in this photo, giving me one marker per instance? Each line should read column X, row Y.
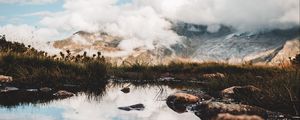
column 138, row 107
column 179, row 101
column 226, row 116
column 45, row 89
column 9, row 89
column 210, row 110
column 5, row 79
column 63, row 94
column 234, row 91
column 214, row 76
column 125, row 90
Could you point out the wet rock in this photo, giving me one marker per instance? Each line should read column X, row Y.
column 125, row 90
column 32, row 90
column 213, row 76
column 210, row 110
column 9, row 89
column 179, row 101
column 138, row 107
column 5, row 79
column 63, row 94
column 45, row 89
column 235, row 90
column 226, row 116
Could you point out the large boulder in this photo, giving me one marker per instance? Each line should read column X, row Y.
column 5, row 79
column 180, row 101
column 227, row 116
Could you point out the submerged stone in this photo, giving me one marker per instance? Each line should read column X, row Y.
column 63, row 94
column 9, row 89
column 45, row 89
column 125, row 90
column 138, row 107
column 32, row 90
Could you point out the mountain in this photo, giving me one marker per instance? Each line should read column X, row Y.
column 199, row 43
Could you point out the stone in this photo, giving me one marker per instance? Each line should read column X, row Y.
column 5, row 79
column 125, row 90
column 179, row 101
column 32, row 90
column 213, row 76
column 45, row 89
column 210, row 110
column 138, row 107
column 63, row 94
column 9, row 89
column 235, row 91
column 227, row 116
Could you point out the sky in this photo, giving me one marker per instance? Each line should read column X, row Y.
column 143, row 22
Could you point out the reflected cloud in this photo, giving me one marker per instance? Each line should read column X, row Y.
column 82, row 107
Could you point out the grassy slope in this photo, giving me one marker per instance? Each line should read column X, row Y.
column 32, row 68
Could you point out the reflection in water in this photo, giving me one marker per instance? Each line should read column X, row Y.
column 86, row 106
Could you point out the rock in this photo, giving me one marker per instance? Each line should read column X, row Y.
column 179, row 101
column 213, row 76
column 31, row 90
column 226, row 116
column 45, row 89
column 235, row 91
column 212, row 109
column 9, row 89
column 63, row 94
column 5, row 79
column 138, row 107
column 125, row 90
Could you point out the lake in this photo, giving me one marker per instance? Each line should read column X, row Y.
column 104, row 106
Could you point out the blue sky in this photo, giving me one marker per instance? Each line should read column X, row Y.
column 14, row 13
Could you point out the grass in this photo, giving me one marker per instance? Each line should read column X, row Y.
column 32, row 68
column 280, row 84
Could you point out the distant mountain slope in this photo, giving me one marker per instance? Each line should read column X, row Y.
column 199, row 43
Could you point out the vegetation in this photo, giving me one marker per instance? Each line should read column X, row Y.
column 281, row 85
column 32, row 68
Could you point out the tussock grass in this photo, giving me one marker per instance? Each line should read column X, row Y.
column 280, row 84
column 32, row 68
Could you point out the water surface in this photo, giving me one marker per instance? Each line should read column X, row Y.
column 86, row 106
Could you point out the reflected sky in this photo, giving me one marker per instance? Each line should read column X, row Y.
column 83, row 107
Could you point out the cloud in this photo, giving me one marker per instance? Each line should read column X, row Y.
column 147, row 23
column 246, row 15
column 40, row 14
column 27, row 1
column 37, row 37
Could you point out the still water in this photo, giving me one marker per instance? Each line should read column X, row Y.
column 85, row 106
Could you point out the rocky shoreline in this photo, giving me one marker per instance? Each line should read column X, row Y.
column 208, row 108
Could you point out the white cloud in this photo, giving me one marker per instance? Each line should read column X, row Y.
column 246, row 15
column 37, row 37
column 27, row 1
column 145, row 23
